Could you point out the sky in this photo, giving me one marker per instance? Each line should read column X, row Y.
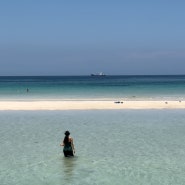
column 70, row 37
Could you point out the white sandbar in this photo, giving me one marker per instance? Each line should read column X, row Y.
column 89, row 105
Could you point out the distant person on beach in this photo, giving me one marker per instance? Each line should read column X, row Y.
column 68, row 145
column 27, row 90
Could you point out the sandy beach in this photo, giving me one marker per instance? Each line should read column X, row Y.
column 89, row 105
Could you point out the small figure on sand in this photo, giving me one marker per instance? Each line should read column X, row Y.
column 118, row 102
column 68, row 145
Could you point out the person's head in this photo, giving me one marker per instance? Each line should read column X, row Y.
column 67, row 133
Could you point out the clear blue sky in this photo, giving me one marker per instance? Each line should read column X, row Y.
column 75, row 37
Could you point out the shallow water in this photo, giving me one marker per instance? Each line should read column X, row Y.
column 112, row 147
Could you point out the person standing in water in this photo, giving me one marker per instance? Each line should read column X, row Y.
column 68, row 145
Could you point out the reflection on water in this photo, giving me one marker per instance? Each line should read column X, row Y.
column 68, row 165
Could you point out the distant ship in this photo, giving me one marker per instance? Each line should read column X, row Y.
column 98, row 74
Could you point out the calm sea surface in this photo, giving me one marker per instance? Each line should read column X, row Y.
column 143, row 147
column 115, row 147
column 87, row 87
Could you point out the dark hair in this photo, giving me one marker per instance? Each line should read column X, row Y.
column 66, row 138
column 67, row 133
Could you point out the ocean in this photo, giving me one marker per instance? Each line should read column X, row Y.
column 113, row 147
column 93, row 87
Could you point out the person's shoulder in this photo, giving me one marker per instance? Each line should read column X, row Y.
column 70, row 138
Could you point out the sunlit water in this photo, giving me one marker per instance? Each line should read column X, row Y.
column 131, row 147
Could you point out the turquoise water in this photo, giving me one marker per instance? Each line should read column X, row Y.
column 112, row 147
column 143, row 147
column 87, row 87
